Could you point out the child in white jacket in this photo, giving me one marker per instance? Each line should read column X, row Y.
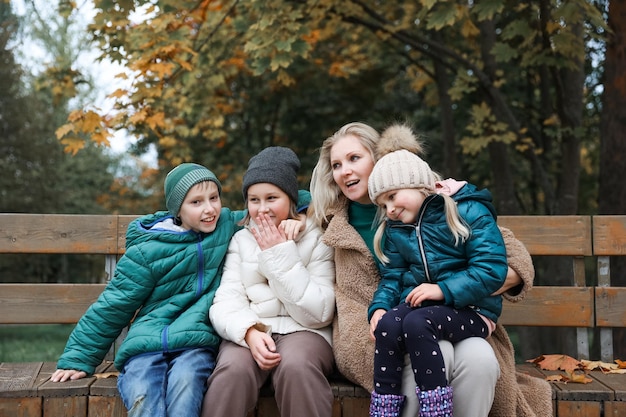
column 275, row 303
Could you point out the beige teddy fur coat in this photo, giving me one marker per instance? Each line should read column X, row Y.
column 356, row 280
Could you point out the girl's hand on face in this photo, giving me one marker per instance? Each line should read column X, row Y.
column 266, row 233
column 424, row 292
column 374, row 321
column 262, row 348
column 293, row 227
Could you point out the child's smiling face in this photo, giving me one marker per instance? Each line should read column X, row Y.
column 201, row 207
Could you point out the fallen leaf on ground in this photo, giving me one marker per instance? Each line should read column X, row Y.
column 605, row 367
column 557, row 363
column 579, row 377
column 105, row 375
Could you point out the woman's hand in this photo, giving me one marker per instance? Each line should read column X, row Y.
column 424, row 292
column 62, row 375
column 374, row 321
column 263, row 349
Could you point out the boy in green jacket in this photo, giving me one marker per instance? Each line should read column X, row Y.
column 164, row 284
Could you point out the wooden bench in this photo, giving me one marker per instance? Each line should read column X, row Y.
column 25, row 389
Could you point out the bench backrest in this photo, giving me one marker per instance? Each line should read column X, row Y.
column 575, row 305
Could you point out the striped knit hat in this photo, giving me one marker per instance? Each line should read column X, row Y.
column 180, row 179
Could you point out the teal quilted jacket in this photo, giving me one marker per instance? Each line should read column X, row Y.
column 164, row 284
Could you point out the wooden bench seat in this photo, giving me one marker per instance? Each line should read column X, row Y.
column 25, row 389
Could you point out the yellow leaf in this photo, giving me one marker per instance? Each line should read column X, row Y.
column 602, row 366
column 91, row 122
column 64, row 130
column 101, row 137
column 578, row 377
column 552, row 120
column 105, row 375
column 72, row 145
column 118, row 93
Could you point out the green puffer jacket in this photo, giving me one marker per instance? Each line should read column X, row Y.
column 168, row 279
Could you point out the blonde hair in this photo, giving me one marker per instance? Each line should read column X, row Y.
column 459, row 228
column 325, row 193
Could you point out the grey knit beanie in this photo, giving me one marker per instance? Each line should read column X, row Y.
column 275, row 165
column 180, row 179
column 398, row 167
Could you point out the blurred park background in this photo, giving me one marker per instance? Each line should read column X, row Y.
column 100, row 98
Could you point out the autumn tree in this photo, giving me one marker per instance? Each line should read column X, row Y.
column 36, row 175
column 501, row 89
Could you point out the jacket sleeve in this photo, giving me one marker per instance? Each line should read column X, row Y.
column 486, row 261
column 521, row 262
column 230, row 313
column 106, row 318
column 302, row 276
column 387, row 294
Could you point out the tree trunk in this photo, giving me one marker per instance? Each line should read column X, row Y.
column 612, row 192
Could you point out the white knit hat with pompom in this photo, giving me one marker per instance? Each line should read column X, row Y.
column 398, row 165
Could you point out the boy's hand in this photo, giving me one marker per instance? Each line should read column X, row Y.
column 263, row 349
column 62, row 375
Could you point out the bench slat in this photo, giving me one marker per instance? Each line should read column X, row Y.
column 58, row 233
column 551, row 306
column 19, row 379
column 609, row 235
column 552, row 235
column 610, row 306
column 46, row 303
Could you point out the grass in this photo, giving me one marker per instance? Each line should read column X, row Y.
column 33, row 343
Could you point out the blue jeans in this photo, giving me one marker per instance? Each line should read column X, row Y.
column 166, row 384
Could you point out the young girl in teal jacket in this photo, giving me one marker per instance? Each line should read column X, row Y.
column 441, row 261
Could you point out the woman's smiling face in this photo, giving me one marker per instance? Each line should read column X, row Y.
column 352, row 164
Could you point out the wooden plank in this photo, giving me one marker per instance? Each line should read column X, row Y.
column 46, row 303
column 614, row 409
column 19, row 379
column 106, row 407
column 615, row 382
column 551, row 306
column 579, row 409
column 65, row 406
column 609, row 235
column 552, row 235
column 122, row 225
column 355, row 406
column 105, row 387
column 21, row 407
column 610, row 306
column 58, row 233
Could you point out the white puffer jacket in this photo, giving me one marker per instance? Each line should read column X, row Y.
column 284, row 289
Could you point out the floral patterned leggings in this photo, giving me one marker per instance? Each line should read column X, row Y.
column 416, row 331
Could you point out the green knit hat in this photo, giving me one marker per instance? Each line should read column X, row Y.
column 180, row 179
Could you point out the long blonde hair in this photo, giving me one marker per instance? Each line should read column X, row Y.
column 325, row 193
